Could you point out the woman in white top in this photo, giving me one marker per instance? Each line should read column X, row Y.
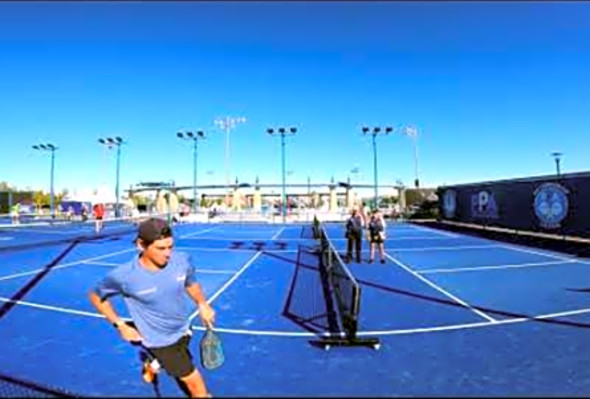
column 377, row 235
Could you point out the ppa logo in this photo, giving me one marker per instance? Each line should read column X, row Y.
column 483, row 205
column 551, row 204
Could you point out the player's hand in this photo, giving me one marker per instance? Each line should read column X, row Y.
column 129, row 333
column 207, row 315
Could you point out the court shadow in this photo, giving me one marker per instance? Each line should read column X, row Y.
column 309, row 303
column 487, row 310
column 307, row 276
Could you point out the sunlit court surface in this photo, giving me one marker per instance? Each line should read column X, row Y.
column 449, row 139
column 454, row 315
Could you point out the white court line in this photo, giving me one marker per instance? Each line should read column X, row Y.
column 515, row 266
column 450, row 327
column 52, row 308
column 206, row 249
column 213, row 271
column 549, row 255
column 199, row 232
column 278, row 234
column 431, row 230
column 439, row 289
column 418, row 249
column 101, row 263
column 228, row 283
column 79, row 262
column 449, row 248
column 250, row 238
column 41, row 231
column 406, row 331
column 308, row 239
column 413, row 238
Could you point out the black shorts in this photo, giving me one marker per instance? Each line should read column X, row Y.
column 176, row 359
column 98, row 218
column 375, row 238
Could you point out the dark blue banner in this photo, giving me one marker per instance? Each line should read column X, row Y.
column 549, row 204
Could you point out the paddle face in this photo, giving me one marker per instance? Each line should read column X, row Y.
column 211, row 350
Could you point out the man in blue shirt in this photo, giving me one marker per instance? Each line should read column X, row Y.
column 154, row 287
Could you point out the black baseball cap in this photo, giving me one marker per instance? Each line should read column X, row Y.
column 153, row 229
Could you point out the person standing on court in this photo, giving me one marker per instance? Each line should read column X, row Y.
column 15, row 213
column 354, row 235
column 154, row 285
column 363, row 213
column 98, row 211
column 377, row 235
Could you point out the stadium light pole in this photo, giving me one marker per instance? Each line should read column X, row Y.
column 194, row 137
column 51, row 148
column 374, row 132
column 227, row 124
column 110, row 142
column 412, row 133
column 557, row 156
column 283, row 131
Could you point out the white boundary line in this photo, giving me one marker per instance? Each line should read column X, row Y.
column 41, row 231
column 198, row 232
column 101, row 263
column 307, row 239
column 439, row 289
column 448, row 248
column 52, row 308
column 406, row 331
column 206, row 249
column 417, row 249
column 278, row 234
column 214, row 271
column 431, row 230
column 450, row 327
column 79, row 262
column 547, row 254
column 228, row 283
column 515, row 266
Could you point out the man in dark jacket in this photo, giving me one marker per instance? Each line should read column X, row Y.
column 354, row 234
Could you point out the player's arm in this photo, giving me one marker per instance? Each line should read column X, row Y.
column 105, row 308
column 206, row 312
column 107, row 287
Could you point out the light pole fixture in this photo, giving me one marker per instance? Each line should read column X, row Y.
column 51, row 148
column 110, row 142
column 227, row 124
column 557, row 156
column 374, row 131
column 283, row 131
column 194, row 137
column 412, row 133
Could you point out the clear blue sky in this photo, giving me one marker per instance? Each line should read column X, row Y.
column 493, row 88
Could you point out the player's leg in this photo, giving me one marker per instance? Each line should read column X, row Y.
column 349, row 241
column 358, row 244
column 176, row 359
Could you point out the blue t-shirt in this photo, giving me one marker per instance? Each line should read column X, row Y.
column 156, row 299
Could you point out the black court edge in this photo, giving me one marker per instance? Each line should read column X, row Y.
column 580, row 249
column 11, row 387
